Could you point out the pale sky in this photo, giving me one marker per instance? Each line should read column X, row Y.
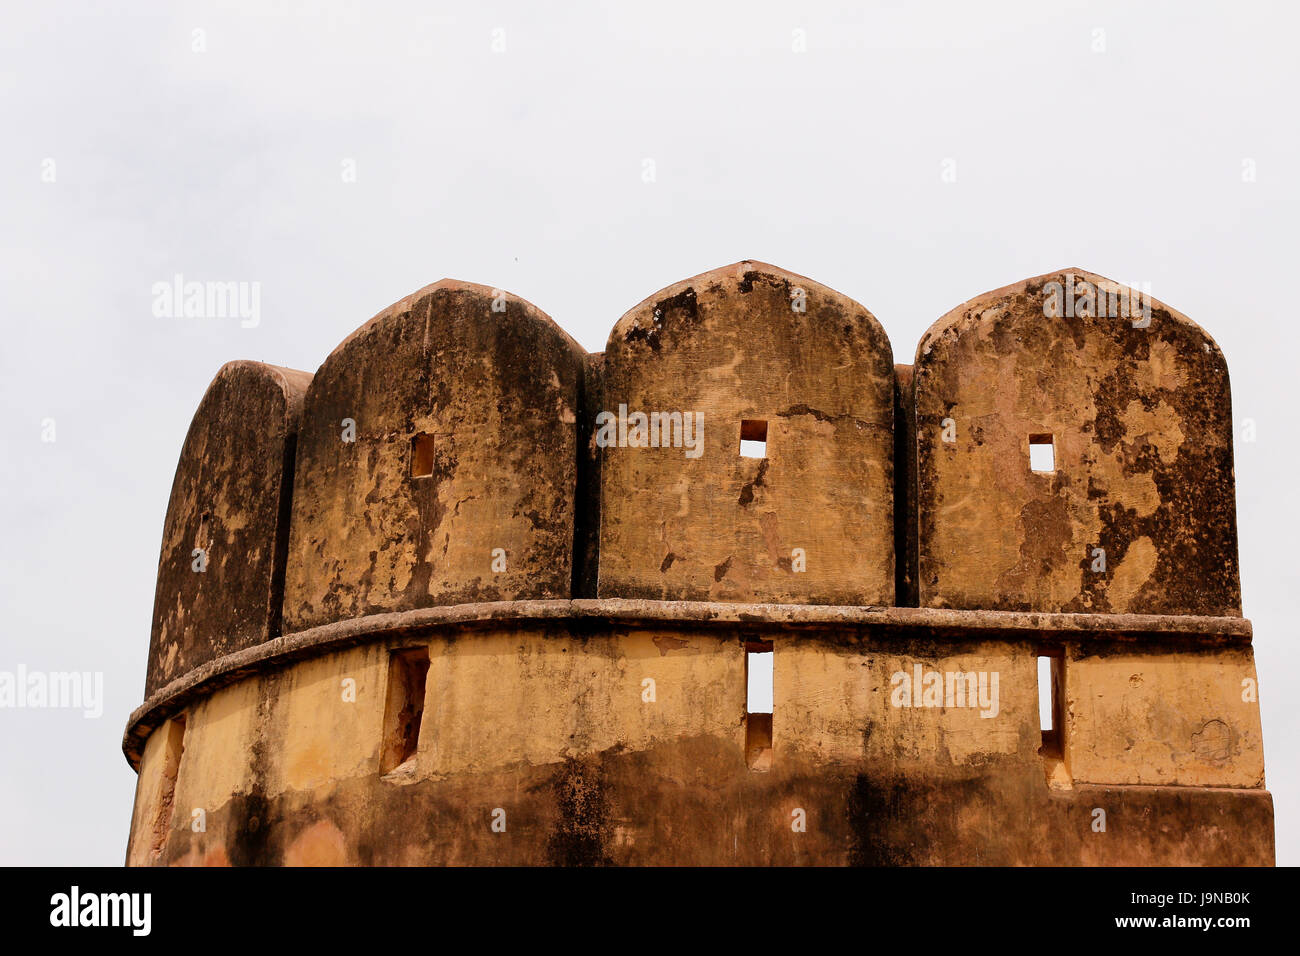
column 1151, row 143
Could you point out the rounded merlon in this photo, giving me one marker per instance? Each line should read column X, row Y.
column 221, row 566
column 751, row 351
column 456, row 480
column 1136, row 511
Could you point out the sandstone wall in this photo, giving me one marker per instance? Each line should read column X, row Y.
column 609, row 774
column 496, row 396
column 230, row 500
column 1140, row 420
column 451, row 452
column 751, row 342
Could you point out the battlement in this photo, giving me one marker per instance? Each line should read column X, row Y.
column 498, row 539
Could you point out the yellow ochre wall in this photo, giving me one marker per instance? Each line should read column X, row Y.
column 665, row 780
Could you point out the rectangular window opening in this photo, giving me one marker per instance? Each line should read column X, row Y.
column 1050, row 697
column 1042, row 453
column 759, row 661
column 404, row 710
column 753, row 438
column 422, row 455
column 173, row 750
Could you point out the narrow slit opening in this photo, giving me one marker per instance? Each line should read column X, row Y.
column 753, row 438
column 1051, row 717
column 759, row 670
column 1050, row 707
column 404, row 710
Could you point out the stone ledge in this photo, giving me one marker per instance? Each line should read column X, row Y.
column 896, row 621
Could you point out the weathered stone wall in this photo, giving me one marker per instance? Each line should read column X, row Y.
column 230, row 499
column 479, row 473
column 498, row 392
column 1159, row 715
column 752, row 342
column 610, row 774
column 1141, row 422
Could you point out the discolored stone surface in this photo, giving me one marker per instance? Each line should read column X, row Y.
column 287, row 765
column 1141, row 423
column 584, row 704
column 230, row 500
column 1146, row 717
column 497, row 394
column 732, row 345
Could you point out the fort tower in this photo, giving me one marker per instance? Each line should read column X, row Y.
column 469, row 595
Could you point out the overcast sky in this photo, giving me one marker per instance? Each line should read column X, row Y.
column 1151, row 143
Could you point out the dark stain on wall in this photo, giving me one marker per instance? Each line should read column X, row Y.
column 581, row 827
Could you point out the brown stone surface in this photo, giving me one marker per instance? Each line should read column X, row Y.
column 1142, row 424
column 609, row 776
column 586, row 704
column 729, row 345
column 1144, row 717
column 498, row 391
column 849, row 622
column 230, row 497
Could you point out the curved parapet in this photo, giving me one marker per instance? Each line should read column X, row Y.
column 437, row 460
column 519, row 734
column 221, row 568
column 747, row 443
column 1074, row 453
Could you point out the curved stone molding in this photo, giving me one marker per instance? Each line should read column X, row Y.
column 221, row 568
column 761, row 619
column 459, row 483
column 811, row 372
column 1137, row 513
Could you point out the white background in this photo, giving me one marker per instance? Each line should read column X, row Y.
column 523, row 170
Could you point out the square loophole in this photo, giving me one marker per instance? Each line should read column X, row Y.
column 753, row 438
column 422, row 455
column 1042, row 454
